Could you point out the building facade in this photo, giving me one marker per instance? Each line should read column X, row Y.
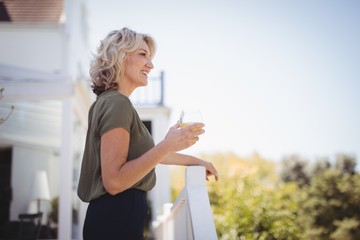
column 44, row 59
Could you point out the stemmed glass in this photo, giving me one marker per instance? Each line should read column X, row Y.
column 190, row 116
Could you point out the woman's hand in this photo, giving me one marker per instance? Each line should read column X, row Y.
column 210, row 170
column 187, row 160
column 181, row 138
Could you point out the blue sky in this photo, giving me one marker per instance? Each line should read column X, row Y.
column 273, row 77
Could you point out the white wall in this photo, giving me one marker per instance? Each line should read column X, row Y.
column 36, row 46
column 49, row 47
column 26, row 161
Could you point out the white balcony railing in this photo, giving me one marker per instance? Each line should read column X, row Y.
column 190, row 217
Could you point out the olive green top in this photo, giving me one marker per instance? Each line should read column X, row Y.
column 112, row 110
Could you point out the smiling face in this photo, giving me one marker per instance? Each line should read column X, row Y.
column 137, row 66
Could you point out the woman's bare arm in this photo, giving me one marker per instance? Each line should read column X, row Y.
column 187, row 160
column 119, row 174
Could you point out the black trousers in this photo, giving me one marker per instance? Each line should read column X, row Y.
column 121, row 216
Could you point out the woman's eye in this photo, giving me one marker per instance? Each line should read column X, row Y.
column 143, row 54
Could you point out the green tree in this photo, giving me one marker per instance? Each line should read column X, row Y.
column 330, row 205
column 294, row 169
column 345, row 163
column 250, row 201
column 320, row 166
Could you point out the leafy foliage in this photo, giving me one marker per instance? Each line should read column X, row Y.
column 249, row 201
column 253, row 200
column 294, row 169
column 330, row 207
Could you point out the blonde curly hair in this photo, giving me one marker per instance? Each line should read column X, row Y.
column 106, row 68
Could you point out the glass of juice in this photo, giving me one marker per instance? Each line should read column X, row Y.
column 190, row 116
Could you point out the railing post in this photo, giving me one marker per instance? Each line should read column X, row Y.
column 203, row 226
column 190, row 217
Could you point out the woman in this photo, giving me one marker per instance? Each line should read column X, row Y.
column 120, row 156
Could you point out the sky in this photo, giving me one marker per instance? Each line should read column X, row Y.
column 272, row 77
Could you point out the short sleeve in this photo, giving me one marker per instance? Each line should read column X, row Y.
column 116, row 112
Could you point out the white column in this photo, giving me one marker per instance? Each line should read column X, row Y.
column 66, row 172
column 66, row 161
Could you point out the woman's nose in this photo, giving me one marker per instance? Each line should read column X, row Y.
column 149, row 64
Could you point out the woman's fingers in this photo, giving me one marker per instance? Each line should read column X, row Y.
column 184, row 137
column 210, row 171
